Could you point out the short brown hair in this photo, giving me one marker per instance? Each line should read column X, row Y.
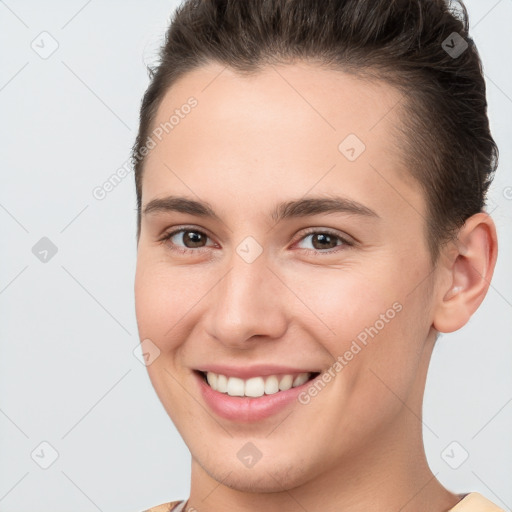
column 446, row 138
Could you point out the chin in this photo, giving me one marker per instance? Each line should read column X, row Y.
column 269, row 477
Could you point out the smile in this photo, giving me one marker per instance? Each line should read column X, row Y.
column 258, row 386
column 246, row 394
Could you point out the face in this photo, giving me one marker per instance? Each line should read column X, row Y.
column 306, row 258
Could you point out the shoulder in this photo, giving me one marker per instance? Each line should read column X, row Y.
column 164, row 507
column 475, row 502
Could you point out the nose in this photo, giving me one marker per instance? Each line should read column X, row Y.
column 249, row 302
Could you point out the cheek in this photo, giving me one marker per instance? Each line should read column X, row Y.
column 150, row 301
column 163, row 297
column 351, row 301
column 375, row 325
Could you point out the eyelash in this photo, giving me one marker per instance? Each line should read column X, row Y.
column 312, row 231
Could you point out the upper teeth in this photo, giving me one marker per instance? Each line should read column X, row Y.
column 255, row 386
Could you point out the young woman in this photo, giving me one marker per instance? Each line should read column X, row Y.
column 311, row 180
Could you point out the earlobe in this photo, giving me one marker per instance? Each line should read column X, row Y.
column 469, row 273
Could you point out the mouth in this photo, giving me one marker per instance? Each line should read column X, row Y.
column 256, row 386
column 252, row 393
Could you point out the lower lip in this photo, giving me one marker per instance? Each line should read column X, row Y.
column 246, row 409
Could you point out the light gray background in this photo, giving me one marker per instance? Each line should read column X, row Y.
column 68, row 374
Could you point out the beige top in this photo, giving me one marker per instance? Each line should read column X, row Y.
column 473, row 502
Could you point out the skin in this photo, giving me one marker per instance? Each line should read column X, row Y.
column 251, row 143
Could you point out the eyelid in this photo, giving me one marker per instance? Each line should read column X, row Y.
column 346, row 240
column 167, row 235
column 184, row 227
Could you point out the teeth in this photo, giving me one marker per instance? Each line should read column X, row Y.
column 271, row 385
column 285, row 382
column 300, row 379
column 255, row 386
column 222, row 383
column 212, row 379
column 236, row 387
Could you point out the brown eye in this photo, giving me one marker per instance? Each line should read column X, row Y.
column 186, row 240
column 323, row 242
column 193, row 239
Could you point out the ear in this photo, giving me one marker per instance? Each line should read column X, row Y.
column 467, row 269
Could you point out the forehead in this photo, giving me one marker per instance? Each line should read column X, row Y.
column 309, row 100
column 288, row 124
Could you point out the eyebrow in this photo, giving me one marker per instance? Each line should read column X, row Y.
column 286, row 210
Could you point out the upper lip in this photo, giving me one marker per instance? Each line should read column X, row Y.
column 259, row 370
